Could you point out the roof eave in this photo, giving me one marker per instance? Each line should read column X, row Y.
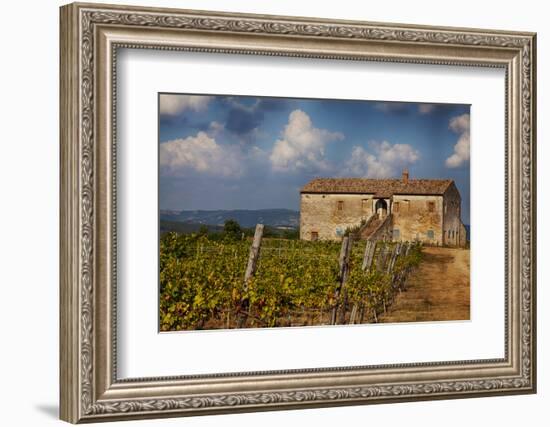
column 371, row 193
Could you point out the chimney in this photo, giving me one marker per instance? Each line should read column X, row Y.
column 405, row 176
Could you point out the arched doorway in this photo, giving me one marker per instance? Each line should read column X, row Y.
column 381, row 208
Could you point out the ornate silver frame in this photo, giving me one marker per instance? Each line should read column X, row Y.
column 90, row 36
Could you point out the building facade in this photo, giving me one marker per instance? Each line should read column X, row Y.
column 426, row 210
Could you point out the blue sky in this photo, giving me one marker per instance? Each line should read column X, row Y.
column 234, row 152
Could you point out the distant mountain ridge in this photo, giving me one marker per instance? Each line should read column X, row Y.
column 279, row 218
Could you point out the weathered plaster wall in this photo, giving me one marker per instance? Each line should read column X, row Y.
column 412, row 219
column 462, row 236
column 452, row 224
column 329, row 215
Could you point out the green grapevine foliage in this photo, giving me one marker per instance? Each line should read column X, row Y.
column 202, row 282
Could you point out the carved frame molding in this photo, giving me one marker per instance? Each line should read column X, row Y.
column 90, row 36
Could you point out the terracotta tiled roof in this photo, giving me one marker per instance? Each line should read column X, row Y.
column 378, row 187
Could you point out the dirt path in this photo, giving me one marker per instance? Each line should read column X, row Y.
column 438, row 290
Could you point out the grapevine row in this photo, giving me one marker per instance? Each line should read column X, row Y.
column 296, row 283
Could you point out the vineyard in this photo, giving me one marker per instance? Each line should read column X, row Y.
column 206, row 284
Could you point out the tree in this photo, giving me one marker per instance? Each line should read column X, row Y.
column 232, row 230
column 291, row 234
column 203, row 230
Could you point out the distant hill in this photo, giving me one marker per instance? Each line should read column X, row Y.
column 278, row 218
column 185, row 227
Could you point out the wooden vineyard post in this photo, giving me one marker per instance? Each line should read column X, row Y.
column 368, row 257
column 408, row 270
column 403, row 274
column 345, row 252
column 382, row 256
column 380, row 262
column 253, row 257
column 254, row 254
column 391, row 266
column 383, row 265
column 394, row 256
column 353, row 314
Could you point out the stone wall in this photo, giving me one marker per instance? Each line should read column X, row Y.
column 452, row 223
column 418, row 218
column 328, row 215
column 462, row 237
column 431, row 219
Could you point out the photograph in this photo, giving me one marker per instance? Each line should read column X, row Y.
column 267, row 211
column 292, row 212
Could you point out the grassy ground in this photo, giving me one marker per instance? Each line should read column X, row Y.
column 438, row 290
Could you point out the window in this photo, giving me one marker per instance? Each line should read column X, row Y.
column 396, row 207
column 314, row 235
column 431, row 206
column 366, row 205
column 340, row 205
column 430, row 234
column 396, row 235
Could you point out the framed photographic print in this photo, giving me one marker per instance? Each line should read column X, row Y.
column 250, row 237
column 265, row 212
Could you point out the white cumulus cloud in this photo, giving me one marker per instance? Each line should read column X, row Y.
column 175, row 104
column 460, row 125
column 302, row 146
column 200, row 153
column 426, row 108
column 385, row 161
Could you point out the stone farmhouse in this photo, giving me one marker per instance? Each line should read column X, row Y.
column 426, row 210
